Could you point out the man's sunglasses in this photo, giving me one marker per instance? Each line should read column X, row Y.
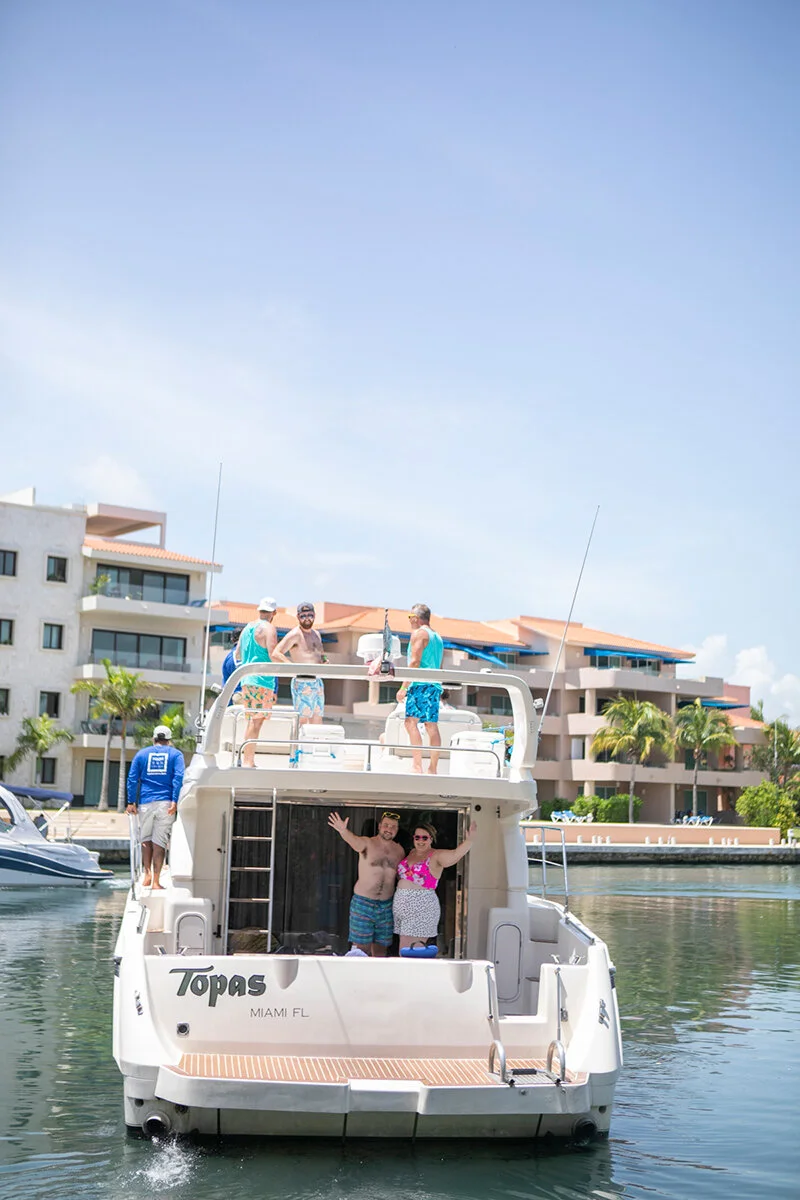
column 391, row 816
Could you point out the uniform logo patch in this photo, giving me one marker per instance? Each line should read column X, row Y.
column 157, row 763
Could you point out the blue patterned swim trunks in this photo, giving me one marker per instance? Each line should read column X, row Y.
column 308, row 697
column 422, row 702
column 371, row 921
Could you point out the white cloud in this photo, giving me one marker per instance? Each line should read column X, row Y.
column 107, row 479
column 751, row 667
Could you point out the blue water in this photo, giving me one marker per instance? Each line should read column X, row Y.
column 708, row 962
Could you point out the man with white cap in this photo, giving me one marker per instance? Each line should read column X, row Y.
column 258, row 643
column 154, row 785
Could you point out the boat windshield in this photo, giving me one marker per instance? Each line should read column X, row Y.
column 6, row 817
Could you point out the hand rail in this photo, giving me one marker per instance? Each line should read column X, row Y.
column 525, row 717
column 558, row 832
column 380, row 745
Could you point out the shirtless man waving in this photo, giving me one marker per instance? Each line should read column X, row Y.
column 371, row 921
column 304, row 645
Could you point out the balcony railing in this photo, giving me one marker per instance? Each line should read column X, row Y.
column 146, row 662
column 130, row 591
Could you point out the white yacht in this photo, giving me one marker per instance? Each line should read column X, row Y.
column 236, row 1009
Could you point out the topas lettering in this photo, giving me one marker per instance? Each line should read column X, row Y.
column 200, row 982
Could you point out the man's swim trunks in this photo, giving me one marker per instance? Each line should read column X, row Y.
column 422, row 702
column 257, row 699
column 308, row 697
column 371, row 921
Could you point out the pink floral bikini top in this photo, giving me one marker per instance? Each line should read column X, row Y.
column 419, row 873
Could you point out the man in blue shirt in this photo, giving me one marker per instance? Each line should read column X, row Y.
column 154, row 785
column 229, row 664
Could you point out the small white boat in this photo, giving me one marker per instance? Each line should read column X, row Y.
column 237, row 1011
column 28, row 859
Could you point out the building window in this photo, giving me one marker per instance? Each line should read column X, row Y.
column 688, row 758
column 472, row 699
column 139, row 650
column 132, row 583
column 605, row 793
column 577, row 747
column 506, row 656
column 2, row 766
column 56, row 569
column 500, row 706
column 53, row 638
column 5, row 695
column 8, row 562
column 49, row 704
column 45, row 770
column 6, row 632
column 387, row 693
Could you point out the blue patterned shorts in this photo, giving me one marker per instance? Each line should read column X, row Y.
column 308, row 696
column 371, row 921
column 422, row 702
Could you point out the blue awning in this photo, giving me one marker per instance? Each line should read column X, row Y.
column 628, row 652
column 723, row 704
column 491, row 658
column 37, row 793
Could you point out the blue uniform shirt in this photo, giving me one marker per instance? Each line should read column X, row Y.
column 156, row 774
column 229, row 665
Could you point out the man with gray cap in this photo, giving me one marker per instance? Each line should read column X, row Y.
column 304, row 645
column 154, row 785
column 258, row 643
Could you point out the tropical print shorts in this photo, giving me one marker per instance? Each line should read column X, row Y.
column 308, row 697
column 370, row 921
column 422, row 702
column 257, row 699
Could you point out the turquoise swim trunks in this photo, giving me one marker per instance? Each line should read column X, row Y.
column 308, row 697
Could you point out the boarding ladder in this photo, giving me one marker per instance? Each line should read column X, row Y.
column 251, row 875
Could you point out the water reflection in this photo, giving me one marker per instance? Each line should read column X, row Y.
column 709, row 987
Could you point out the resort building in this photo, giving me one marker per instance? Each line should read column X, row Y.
column 595, row 667
column 75, row 589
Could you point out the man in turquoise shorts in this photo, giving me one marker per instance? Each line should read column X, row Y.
column 371, row 918
column 258, row 643
column 425, row 649
column 304, row 645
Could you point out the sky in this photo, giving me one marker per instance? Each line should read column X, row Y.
column 432, row 282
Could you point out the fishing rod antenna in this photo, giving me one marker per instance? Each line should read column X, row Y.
column 201, row 711
column 566, row 627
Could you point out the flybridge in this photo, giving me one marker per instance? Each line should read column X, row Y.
column 525, row 713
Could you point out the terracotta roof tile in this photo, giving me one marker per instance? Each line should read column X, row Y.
column 582, row 635
column 142, row 550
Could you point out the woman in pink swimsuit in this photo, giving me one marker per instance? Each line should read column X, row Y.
column 416, row 907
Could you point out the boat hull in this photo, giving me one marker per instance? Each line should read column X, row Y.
column 21, row 866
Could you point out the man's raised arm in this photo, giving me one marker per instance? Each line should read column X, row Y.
column 353, row 840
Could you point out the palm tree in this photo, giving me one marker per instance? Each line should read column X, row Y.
column 779, row 756
column 633, row 730
column 38, row 735
column 117, row 698
column 701, row 729
column 175, row 720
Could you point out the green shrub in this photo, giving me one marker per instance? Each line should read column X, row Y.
column 615, row 809
column 767, row 805
column 548, row 807
column 584, row 806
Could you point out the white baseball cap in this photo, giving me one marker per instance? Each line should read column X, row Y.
column 163, row 731
column 267, row 604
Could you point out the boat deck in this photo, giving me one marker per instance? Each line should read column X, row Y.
column 431, row 1072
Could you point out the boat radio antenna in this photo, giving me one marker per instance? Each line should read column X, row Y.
column 566, row 624
column 201, row 710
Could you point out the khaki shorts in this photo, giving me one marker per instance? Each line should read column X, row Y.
column 155, row 822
